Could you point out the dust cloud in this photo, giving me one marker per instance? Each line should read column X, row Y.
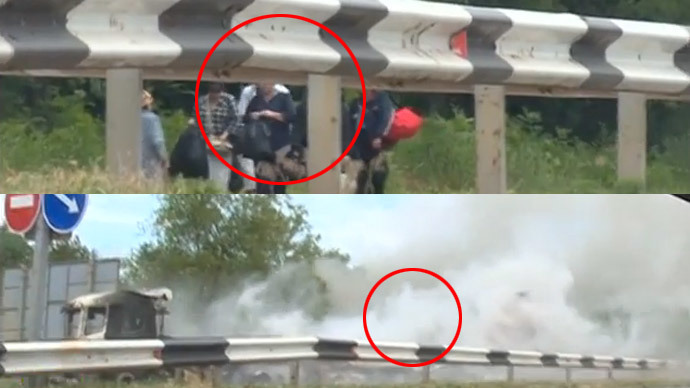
column 580, row 274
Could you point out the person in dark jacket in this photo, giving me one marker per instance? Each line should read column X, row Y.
column 278, row 112
column 369, row 145
column 377, row 119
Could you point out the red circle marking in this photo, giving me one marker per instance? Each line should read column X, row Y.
column 280, row 15
column 457, row 332
column 21, row 211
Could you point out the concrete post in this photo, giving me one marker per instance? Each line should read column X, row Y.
column 294, row 373
column 426, row 374
column 324, row 132
column 511, row 373
column 632, row 137
column 123, row 120
column 490, row 121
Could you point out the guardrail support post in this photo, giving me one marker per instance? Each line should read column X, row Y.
column 511, row 373
column 294, row 373
column 213, row 376
column 323, row 132
column 426, row 374
column 490, row 122
column 178, row 375
column 632, row 137
column 609, row 373
column 568, row 375
column 123, row 120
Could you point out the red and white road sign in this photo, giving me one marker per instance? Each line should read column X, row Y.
column 21, row 211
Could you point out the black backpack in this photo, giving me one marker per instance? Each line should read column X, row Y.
column 255, row 142
column 189, row 156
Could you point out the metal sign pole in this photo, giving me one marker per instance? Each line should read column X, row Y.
column 37, row 289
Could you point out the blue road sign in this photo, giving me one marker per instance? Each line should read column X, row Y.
column 63, row 212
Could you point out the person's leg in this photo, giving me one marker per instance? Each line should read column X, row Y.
column 263, row 171
column 247, row 167
column 236, row 181
column 380, row 174
column 277, row 176
column 262, row 188
column 379, row 181
column 363, row 179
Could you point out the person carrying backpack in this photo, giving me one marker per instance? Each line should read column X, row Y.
column 272, row 114
column 370, row 143
column 385, row 124
column 247, row 164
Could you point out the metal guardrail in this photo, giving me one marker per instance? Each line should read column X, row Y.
column 406, row 45
column 35, row 358
column 403, row 44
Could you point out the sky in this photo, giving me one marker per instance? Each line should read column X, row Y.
column 115, row 224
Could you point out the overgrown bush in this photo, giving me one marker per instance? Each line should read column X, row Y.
column 65, row 145
column 442, row 159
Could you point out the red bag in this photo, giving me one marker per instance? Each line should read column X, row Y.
column 406, row 123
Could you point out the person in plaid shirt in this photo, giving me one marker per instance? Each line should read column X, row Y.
column 218, row 113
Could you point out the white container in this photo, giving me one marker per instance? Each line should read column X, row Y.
column 218, row 172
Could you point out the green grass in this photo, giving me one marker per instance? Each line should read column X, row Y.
column 441, row 159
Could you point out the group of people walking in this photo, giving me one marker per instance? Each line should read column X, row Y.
column 264, row 135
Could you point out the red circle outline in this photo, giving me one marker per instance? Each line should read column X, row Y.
column 457, row 332
column 269, row 16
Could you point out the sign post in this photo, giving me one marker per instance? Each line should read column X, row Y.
column 61, row 213
column 38, row 279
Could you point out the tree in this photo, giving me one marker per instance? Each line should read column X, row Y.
column 220, row 240
column 14, row 250
column 65, row 250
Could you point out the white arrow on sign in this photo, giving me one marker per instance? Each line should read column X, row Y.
column 71, row 204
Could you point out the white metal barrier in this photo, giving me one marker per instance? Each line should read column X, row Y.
column 400, row 44
column 405, row 44
column 32, row 358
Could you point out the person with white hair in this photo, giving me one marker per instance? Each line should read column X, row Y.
column 277, row 111
column 249, row 92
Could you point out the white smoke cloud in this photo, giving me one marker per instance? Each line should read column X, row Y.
column 588, row 274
